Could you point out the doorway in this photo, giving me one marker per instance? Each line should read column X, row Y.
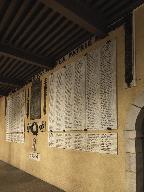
column 139, row 144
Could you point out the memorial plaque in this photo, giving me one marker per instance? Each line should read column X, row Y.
column 35, row 104
column 108, row 85
column 79, row 95
column 92, row 142
column 59, row 101
column 102, row 142
column 93, row 91
column 69, row 96
column 59, row 140
column 82, row 97
column 51, row 102
column 15, row 114
column 101, row 110
column 79, row 141
column 51, row 139
column 56, row 140
column 108, row 143
column 56, row 116
column 69, row 140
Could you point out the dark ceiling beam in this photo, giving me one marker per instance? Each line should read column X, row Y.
column 3, row 93
column 71, row 47
column 71, row 43
column 25, row 56
column 7, row 82
column 118, row 15
column 92, row 21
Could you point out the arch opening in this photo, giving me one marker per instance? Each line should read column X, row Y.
column 139, row 148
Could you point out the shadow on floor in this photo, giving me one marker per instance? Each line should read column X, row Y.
column 15, row 180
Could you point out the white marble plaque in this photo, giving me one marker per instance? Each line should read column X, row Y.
column 101, row 112
column 108, row 143
column 79, row 141
column 92, row 142
column 79, row 95
column 51, row 102
column 102, row 143
column 59, row 101
column 59, row 140
column 15, row 114
column 69, row 96
column 93, row 91
column 51, row 139
column 82, row 96
column 108, row 85
column 56, row 140
column 56, row 117
column 69, row 140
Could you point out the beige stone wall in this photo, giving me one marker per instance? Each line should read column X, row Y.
column 75, row 171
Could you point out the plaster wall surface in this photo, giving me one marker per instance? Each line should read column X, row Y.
column 75, row 171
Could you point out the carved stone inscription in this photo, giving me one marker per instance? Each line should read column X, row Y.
column 83, row 94
column 94, row 142
column 56, row 116
column 79, row 95
column 67, row 98
column 82, row 97
column 93, row 91
column 15, row 114
column 52, row 98
column 59, row 100
column 108, row 86
column 101, row 88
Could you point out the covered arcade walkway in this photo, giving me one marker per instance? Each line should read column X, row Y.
column 15, row 180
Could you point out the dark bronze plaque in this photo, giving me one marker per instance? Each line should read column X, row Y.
column 35, row 104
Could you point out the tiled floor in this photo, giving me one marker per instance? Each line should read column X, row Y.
column 15, row 180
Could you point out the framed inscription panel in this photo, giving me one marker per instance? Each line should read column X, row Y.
column 84, row 141
column 35, row 103
column 15, row 116
column 82, row 100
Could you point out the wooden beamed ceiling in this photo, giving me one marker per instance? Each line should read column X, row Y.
column 92, row 21
column 10, row 83
column 24, row 56
column 35, row 33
